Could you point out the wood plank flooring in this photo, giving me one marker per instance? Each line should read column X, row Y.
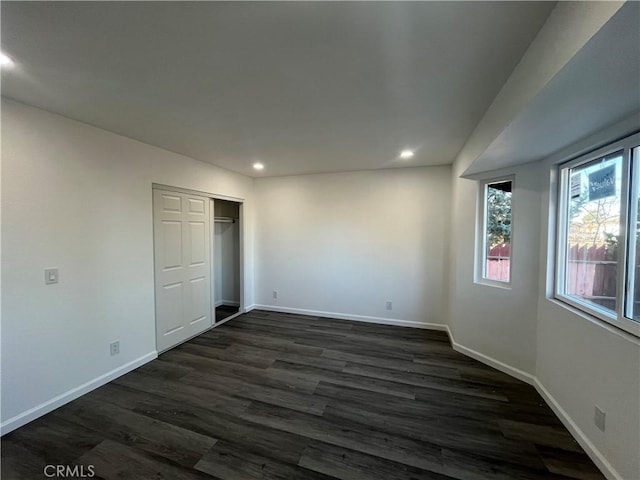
column 281, row 396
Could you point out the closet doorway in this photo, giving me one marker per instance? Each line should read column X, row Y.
column 226, row 258
column 198, row 245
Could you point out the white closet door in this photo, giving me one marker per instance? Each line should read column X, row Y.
column 182, row 226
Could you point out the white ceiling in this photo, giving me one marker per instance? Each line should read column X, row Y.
column 597, row 88
column 302, row 87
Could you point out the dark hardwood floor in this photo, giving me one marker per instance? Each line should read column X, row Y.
column 280, row 396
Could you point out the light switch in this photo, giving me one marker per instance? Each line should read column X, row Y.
column 50, row 276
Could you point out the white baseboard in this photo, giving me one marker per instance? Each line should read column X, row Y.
column 356, row 318
column 492, row 362
column 605, row 467
column 601, row 462
column 50, row 405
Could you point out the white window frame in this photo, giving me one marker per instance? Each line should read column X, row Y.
column 481, row 247
column 625, row 255
column 633, row 219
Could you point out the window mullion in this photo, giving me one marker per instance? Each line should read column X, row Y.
column 485, row 243
column 561, row 238
column 623, row 245
column 632, row 234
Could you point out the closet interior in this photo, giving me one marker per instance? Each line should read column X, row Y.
column 226, row 256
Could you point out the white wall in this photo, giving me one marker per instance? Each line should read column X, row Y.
column 231, row 263
column 576, row 362
column 226, row 264
column 569, row 27
column 79, row 198
column 217, row 264
column 347, row 243
column 582, row 362
column 497, row 322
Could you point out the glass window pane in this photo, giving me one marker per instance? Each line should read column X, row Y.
column 498, row 232
column 634, row 231
column 593, row 232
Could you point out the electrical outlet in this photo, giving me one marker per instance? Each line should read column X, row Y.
column 275, row 294
column 599, row 418
column 115, row 348
column 389, row 305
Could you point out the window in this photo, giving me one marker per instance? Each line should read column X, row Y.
column 495, row 261
column 597, row 256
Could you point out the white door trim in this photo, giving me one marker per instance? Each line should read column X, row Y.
column 188, row 191
column 212, row 249
column 241, row 308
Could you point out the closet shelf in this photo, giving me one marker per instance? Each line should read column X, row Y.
column 224, row 220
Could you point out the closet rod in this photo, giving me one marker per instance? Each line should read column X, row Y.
column 224, row 220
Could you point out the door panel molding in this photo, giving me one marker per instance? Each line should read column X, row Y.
column 182, row 266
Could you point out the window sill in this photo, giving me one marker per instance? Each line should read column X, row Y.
column 493, row 283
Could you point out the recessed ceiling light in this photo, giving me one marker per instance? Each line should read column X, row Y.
column 258, row 166
column 5, row 60
column 406, row 154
